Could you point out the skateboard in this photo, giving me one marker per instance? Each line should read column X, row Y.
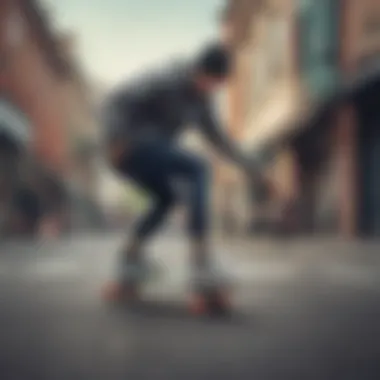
column 204, row 301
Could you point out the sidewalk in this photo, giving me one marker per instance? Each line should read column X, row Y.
column 321, row 245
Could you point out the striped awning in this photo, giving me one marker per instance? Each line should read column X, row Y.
column 14, row 124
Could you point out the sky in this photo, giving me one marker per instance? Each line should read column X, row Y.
column 118, row 38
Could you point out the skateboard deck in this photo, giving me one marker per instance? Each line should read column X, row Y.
column 170, row 308
column 140, row 297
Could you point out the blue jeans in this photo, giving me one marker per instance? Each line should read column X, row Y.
column 154, row 166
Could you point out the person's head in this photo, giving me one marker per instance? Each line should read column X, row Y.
column 212, row 68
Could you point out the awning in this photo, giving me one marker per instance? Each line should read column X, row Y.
column 14, row 124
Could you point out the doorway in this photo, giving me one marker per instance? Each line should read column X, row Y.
column 368, row 107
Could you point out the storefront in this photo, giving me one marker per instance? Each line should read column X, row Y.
column 326, row 157
column 315, row 161
column 365, row 94
column 28, row 191
column 313, row 144
column 318, row 24
column 14, row 142
column 14, row 128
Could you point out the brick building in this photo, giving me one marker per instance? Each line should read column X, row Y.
column 31, row 75
column 83, row 139
column 332, row 139
column 42, row 95
column 82, row 125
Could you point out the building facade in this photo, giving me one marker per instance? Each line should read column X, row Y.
column 338, row 61
column 83, row 130
column 39, row 94
column 31, row 75
column 83, row 139
column 357, row 119
column 264, row 98
column 326, row 142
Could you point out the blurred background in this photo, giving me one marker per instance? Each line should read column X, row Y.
column 303, row 101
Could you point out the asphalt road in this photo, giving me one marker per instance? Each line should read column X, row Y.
column 301, row 313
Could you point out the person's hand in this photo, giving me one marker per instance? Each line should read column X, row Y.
column 259, row 179
column 263, row 183
column 116, row 152
column 270, row 186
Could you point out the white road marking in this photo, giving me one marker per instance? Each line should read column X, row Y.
column 173, row 271
column 5, row 270
column 52, row 268
column 239, row 271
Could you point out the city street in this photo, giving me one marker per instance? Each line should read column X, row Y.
column 304, row 311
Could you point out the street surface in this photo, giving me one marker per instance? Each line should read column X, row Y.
column 305, row 311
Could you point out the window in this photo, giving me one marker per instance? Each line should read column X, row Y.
column 318, row 36
column 277, row 46
column 269, row 55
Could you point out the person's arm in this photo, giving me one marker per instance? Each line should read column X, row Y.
column 214, row 133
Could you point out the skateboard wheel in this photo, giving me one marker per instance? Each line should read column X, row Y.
column 115, row 292
column 198, row 304
column 220, row 302
column 210, row 303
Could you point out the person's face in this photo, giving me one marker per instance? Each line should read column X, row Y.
column 207, row 84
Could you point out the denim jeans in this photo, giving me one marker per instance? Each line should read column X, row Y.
column 155, row 166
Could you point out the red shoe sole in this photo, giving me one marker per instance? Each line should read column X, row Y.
column 115, row 292
column 203, row 304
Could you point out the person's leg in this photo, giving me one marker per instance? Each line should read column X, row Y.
column 149, row 170
column 208, row 283
column 154, row 166
column 196, row 173
column 154, row 169
column 148, row 224
column 199, row 212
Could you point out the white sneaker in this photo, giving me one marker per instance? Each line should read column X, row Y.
column 206, row 278
column 138, row 272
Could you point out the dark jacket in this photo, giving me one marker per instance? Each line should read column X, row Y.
column 163, row 104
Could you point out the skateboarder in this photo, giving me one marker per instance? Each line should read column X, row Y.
column 143, row 121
